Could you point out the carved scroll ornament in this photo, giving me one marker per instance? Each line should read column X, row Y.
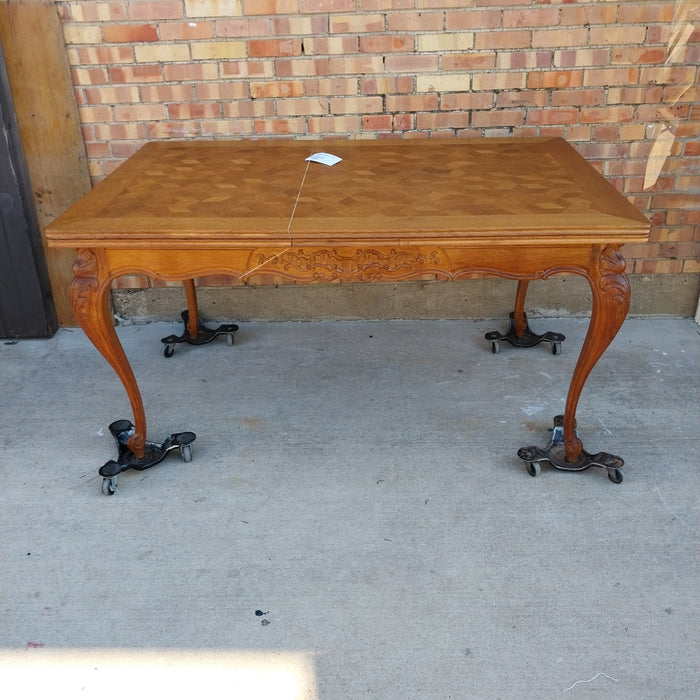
column 363, row 265
column 84, row 285
column 614, row 283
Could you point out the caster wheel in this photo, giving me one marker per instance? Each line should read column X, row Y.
column 168, row 351
column 533, row 468
column 229, row 339
column 186, row 453
column 615, row 475
column 556, row 348
column 109, row 485
column 495, row 347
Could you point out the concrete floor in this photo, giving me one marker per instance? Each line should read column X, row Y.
column 355, row 522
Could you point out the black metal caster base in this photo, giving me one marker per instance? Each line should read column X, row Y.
column 122, row 430
column 527, row 340
column 204, row 335
column 555, row 454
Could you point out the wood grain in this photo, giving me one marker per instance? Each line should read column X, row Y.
column 42, row 91
column 390, row 210
column 241, row 193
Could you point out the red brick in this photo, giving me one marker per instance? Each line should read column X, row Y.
column 661, row 112
column 355, row 105
column 477, row 60
column 403, row 122
column 334, row 125
column 270, row 7
column 303, row 106
column 112, row 95
column 607, row 132
column 596, row 115
column 536, row 17
column 122, row 149
column 139, row 113
column 331, row 45
column 466, row 101
column 653, row 267
column 668, row 74
column 575, row 132
column 514, row 39
column 112, row 132
column 577, row 58
column 148, row 9
column 584, row 15
column 185, row 31
column 279, row 88
column 331, row 86
column 610, row 76
column 89, row 11
column 311, row 25
column 90, row 76
column 97, row 150
column 489, row 3
column 567, row 98
column 357, row 23
column 166, row 93
column 274, row 47
column 559, row 37
column 243, row 27
column 507, row 60
column 105, row 55
column 386, row 43
column 555, row 79
column 129, row 33
column 411, row 63
column 498, row 117
column 229, row 90
column 411, row 103
column 442, row 120
column 279, row 126
column 229, row 126
column 326, row 5
column 499, row 81
column 377, row 122
column 523, row 98
column 625, row 55
column 295, row 67
column 248, row 69
column 418, row 21
column 191, row 71
column 354, row 65
column 552, row 116
column 374, row 5
column 437, row 4
column 473, row 19
column 636, row 12
column 240, row 109
column 386, row 84
column 634, row 95
column 145, row 73
column 617, row 34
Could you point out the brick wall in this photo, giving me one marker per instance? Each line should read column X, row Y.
column 617, row 79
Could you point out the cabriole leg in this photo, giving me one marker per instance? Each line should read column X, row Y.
column 519, row 333
column 611, row 300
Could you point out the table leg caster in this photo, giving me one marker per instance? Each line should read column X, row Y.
column 154, row 453
column 555, row 454
column 204, row 335
column 528, row 338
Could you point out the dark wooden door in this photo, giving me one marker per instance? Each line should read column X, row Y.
column 26, row 306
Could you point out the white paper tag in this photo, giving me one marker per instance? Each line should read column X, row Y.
column 324, row 158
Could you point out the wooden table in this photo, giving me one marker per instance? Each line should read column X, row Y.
column 390, row 210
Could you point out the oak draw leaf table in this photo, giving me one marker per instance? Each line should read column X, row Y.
column 519, row 208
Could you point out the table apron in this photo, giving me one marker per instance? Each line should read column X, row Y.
column 307, row 264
